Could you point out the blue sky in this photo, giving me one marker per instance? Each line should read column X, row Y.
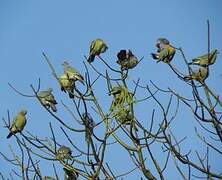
column 64, row 30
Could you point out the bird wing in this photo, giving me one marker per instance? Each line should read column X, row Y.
column 92, row 45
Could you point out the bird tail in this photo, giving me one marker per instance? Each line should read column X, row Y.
column 9, row 135
column 190, row 63
column 63, row 89
column 53, row 107
column 91, row 58
column 154, row 56
column 53, row 101
column 71, row 94
column 81, row 79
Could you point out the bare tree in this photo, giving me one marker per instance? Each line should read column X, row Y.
column 121, row 125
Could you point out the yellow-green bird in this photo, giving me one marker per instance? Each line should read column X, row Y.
column 72, row 73
column 47, row 99
column 18, row 123
column 66, row 85
column 200, row 75
column 64, row 153
column 165, row 52
column 124, row 116
column 97, row 47
column 205, row 60
column 121, row 97
column 127, row 60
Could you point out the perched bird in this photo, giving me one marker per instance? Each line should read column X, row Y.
column 122, row 98
column 72, row 73
column 64, row 153
column 124, row 116
column 121, row 106
column 203, row 60
column 97, row 47
column 47, row 99
column 200, row 75
column 18, row 123
column 127, row 60
column 70, row 175
column 165, row 52
column 66, row 85
column 89, row 124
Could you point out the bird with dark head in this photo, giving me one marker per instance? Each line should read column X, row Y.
column 127, row 60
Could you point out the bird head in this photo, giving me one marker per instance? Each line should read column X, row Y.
column 65, row 63
column 50, row 89
column 121, row 55
column 23, row 112
column 115, row 90
column 163, row 41
column 130, row 54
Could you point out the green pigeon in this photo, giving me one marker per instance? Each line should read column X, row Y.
column 200, row 75
column 18, row 123
column 97, row 47
column 121, row 97
column 165, row 52
column 69, row 175
column 203, row 60
column 47, row 99
column 127, row 60
column 72, row 73
column 124, row 116
column 64, row 153
column 66, row 85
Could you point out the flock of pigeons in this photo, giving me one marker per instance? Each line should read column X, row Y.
column 127, row 60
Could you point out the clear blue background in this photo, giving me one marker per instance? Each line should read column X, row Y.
column 64, row 30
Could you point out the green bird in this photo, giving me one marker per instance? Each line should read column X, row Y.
column 70, row 175
column 97, row 47
column 127, row 60
column 18, row 123
column 66, row 85
column 124, row 116
column 64, row 153
column 165, row 52
column 200, row 75
column 72, row 73
column 203, row 60
column 47, row 99
column 121, row 97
